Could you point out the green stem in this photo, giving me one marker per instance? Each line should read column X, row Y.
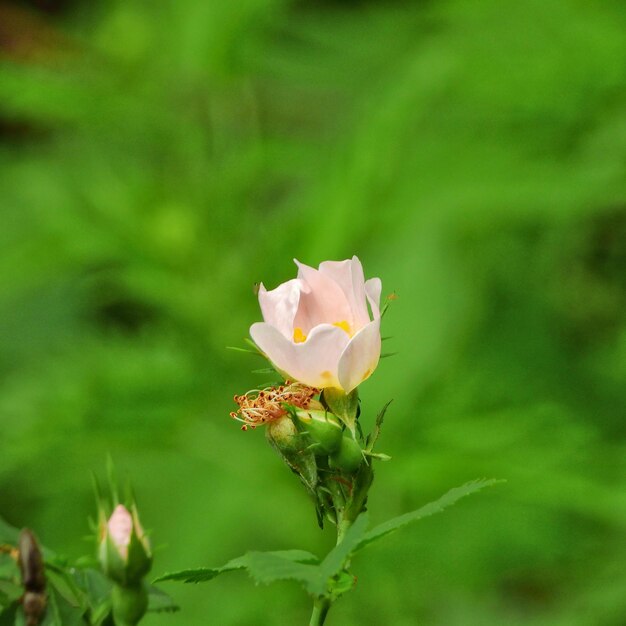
column 320, row 611
column 322, row 605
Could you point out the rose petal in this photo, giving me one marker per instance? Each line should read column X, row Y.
column 279, row 306
column 349, row 276
column 373, row 288
column 324, row 304
column 120, row 527
column 360, row 357
column 313, row 362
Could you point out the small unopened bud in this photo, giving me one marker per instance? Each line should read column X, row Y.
column 33, row 578
column 285, row 438
column 349, row 456
column 323, row 428
column 124, row 550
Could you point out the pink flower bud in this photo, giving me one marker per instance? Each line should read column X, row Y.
column 124, row 551
column 317, row 328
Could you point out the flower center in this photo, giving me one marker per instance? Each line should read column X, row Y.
column 300, row 337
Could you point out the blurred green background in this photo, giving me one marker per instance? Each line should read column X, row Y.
column 159, row 158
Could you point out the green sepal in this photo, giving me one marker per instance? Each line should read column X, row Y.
column 323, row 428
column 113, row 564
column 344, row 406
column 139, row 559
column 372, row 438
column 381, row 456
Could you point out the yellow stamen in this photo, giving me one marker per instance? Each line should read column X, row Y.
column 298, row 335
column 344, row 326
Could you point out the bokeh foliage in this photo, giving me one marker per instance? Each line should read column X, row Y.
column 158, row 158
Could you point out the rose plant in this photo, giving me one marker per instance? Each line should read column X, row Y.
column 321, row 335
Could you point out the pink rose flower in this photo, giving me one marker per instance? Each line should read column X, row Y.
column 317, row 327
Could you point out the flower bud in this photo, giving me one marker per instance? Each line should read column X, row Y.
column 124, row 550
column 32, row 568
column 323, row 428
column 349, row 456
column 284, row 437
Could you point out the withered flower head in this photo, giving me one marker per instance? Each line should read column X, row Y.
column 261, row 406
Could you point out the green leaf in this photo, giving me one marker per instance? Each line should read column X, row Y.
column 335, row 560
column 160, row 602
column 60, row 612
column 95, row 584
column 64, row 585
column 268, row 567
column 297, row 556
column 445, row 501
column 204, row 574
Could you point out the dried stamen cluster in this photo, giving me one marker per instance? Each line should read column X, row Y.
column 260, row 406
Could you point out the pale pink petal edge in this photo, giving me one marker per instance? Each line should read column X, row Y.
column 361, row 356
